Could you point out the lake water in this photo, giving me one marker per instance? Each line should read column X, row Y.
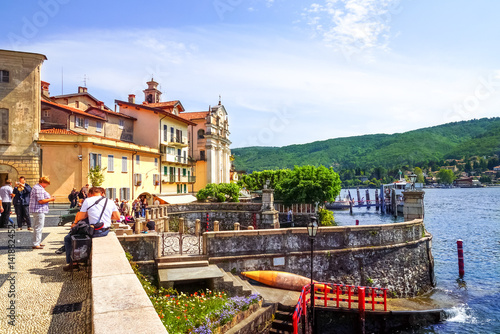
column 472, row 215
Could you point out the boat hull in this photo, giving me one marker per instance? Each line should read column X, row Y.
column 278, row 279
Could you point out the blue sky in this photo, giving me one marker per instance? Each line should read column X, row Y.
column 289, row 72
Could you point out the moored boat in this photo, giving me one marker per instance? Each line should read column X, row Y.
column 278, row 279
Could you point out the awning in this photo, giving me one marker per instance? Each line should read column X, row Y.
column 176, row 199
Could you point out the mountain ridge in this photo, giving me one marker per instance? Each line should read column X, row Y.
column 451, row 140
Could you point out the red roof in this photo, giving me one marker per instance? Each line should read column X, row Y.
column 156, row 110
column 70, row 109
column 59, row 132
column 194, row 115
column 166, row 105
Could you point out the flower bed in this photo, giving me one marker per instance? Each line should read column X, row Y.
column 201, row 312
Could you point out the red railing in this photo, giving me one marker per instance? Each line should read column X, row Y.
column 332, row 295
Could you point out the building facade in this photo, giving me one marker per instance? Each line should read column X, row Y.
column 19, row 115
column 209, row 145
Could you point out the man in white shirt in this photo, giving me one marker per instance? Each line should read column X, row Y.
column 5, row 201
column 93, row 207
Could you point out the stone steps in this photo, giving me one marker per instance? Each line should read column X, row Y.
column 186, row 264
column 283, row 320
column 183, row 258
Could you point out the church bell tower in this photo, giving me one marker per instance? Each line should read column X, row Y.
column 152, row 94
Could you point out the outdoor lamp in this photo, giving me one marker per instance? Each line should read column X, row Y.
column 413, row 178
column 312, row 228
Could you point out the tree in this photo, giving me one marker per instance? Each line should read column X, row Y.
column 309, row 184
column 257, row 180
column 220, row 192
column 420, row 175
column 96, row 176
column 446, row 176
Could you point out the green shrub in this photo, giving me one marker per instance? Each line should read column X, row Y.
column 326, row 218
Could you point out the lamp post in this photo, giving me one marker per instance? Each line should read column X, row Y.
column 413, row 178
column 312, row 230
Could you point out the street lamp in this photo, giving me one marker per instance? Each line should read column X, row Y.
column 312, row 230
column 413, row 178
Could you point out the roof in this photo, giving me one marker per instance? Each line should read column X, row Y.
column 70, row 109
column 59, row 132
column 111, row 113
column 79, row 94
column 194, row 115
column 168, row 104
column 157, row 110
column 39, row 55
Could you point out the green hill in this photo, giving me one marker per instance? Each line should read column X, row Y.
column 452, row 140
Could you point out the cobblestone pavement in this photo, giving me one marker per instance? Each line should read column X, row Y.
column 40, row 285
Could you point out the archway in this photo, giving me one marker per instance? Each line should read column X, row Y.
column 8, row 172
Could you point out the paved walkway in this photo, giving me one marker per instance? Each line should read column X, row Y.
column 40, row 285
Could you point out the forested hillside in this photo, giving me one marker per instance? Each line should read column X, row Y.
column 453, row 140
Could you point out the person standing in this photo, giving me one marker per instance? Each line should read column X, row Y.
column 73, row 198
column 6, row 199
column 22, row 203
column 39, row 206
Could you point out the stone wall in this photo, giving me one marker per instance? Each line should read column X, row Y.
column 226, row 213
column 394, row 256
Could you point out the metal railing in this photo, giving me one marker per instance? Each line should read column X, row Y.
column 332, row 295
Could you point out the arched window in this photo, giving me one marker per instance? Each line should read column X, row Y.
column 4, row 76
column 201, row 134
column 4, row 125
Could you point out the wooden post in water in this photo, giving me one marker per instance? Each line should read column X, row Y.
column 359, row 197
column 376, row 200
column 394, row 203
column 367, row 198
column 460, row 249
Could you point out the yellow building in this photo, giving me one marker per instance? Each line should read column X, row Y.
column 73, row 140
column 19, row 115
column 159, row 125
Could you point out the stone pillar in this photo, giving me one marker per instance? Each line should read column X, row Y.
column 413, row 205
column 269, row 216
column 138, row 225
column 166, row 227
column 236, row 226
column 197, row 226
column 216, row 226
column 181, row 225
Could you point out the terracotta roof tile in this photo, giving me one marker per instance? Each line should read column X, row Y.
column 194, row 115
column 71, row 109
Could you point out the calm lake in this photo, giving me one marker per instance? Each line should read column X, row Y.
column 472, row 215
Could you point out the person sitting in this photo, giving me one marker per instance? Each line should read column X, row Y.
column 93, row 207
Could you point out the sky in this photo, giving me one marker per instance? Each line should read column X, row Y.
column 287, row 71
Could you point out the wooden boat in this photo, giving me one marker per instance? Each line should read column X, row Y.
column 339, row 204
column 278, row 279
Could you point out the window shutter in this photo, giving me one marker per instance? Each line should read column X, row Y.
column 91, row 160
column 86, row 123
column 128, row 193
column 98, row 160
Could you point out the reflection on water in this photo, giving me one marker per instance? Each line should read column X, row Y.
column 473, row 215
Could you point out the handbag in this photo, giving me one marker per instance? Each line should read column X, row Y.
column 83, row 227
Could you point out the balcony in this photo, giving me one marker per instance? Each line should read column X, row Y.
column 178, row 141
column 174, row 159
column 168, row 178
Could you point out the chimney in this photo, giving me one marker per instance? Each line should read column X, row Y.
column 100, row 104
column 131, row 98
column 82, row 89
column 45, row 88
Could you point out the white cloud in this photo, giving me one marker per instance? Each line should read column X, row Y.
column 353, row 26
